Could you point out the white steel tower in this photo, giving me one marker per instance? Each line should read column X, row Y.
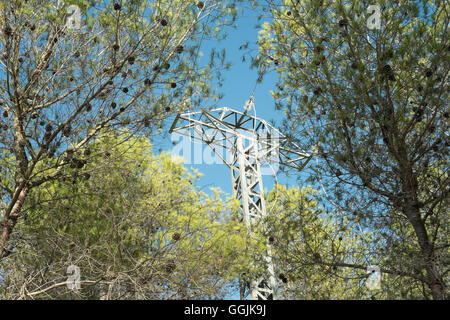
column 250, row 143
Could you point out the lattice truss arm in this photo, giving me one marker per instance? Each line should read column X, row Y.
column 218, row 128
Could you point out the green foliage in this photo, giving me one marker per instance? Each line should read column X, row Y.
column 373, row 104
column 137, row 228
column 312, row 251
column 72, row 69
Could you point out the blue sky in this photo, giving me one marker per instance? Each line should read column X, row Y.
column 240, row 81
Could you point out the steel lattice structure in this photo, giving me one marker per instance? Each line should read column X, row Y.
column 250, row 143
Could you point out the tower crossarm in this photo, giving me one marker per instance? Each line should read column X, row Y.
column 219, row 128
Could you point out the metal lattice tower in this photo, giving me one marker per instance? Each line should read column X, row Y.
column 250, row 143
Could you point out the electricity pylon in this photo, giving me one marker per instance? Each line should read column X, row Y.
column 249, row 143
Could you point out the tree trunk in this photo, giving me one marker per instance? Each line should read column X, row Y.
column 434, row 280
column 22, row 185
column 11, row 217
